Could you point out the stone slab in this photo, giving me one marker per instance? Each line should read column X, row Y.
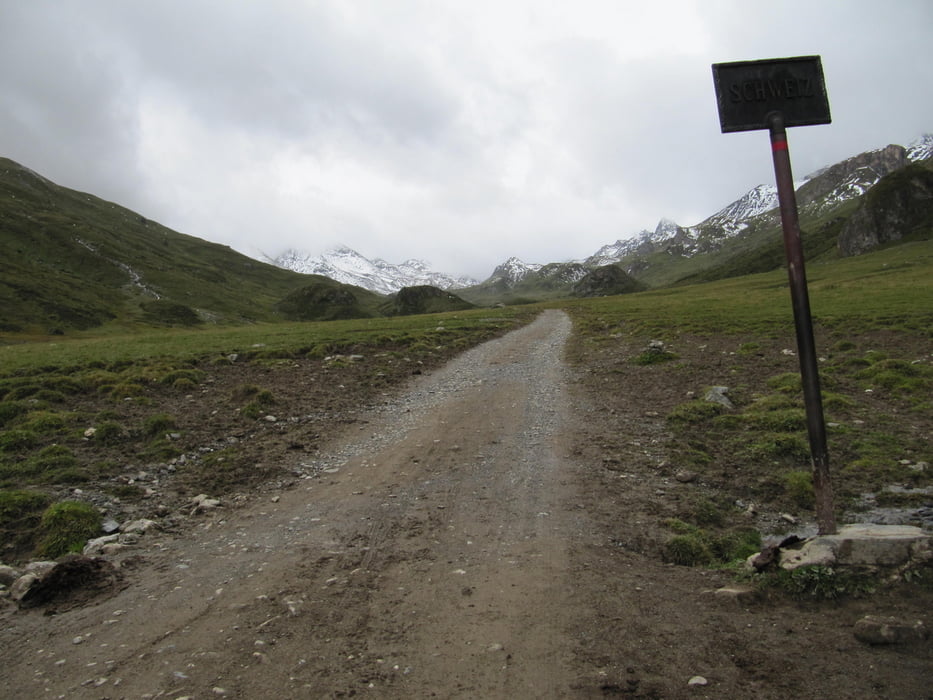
column 861, row 545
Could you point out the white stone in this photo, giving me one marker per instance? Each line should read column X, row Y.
column 888, row 630
column 22, row 585
column 203, row 502
column 736, row 593
column 39, row 568
column 95, row 547
column 717, row 394
column 137, row 526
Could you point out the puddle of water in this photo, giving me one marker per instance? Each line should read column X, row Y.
column 867, row 510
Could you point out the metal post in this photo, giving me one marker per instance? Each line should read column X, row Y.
column 806, row 348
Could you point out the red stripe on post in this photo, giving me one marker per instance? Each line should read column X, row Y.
column 779, row 145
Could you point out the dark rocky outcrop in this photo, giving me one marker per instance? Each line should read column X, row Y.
column 321, row 302
column 899, row 207
column 607, row 281
column 424, row 299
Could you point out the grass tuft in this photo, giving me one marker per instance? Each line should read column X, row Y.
column 66, row 527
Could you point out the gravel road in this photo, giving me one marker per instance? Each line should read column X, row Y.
column 430, row 557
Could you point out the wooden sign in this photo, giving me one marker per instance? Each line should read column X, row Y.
column 748, row 91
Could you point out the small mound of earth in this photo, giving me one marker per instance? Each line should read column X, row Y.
column 73, row 582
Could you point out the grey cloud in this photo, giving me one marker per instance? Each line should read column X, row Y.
column 67, row 109
column 286, row 69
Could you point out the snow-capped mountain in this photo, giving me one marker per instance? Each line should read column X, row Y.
column 512, row 271
column 346, row 265
column 734, row 217
column 820, row 191
column 644, row 241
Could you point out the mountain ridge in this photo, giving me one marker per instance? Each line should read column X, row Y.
column 817, row 193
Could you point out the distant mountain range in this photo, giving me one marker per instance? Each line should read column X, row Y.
column 819, row 193
column 349, row 267
column 70, row 261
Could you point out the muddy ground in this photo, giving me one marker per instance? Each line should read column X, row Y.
column 489, row 528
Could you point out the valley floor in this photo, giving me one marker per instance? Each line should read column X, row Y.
column 463, row 540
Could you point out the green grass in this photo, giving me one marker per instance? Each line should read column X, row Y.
column 704, row 546
column 873, row 321
column 20, row 515
column 821, row 583
column 886, row 290
column 66, row 527
column 799, row 486
column 654, row 356
column 49, row 442
column 102, row 355
column 694, row 412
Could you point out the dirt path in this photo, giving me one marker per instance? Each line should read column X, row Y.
column 431, row 560
column 464, row 541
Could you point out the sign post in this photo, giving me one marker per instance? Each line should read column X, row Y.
column 773, row 95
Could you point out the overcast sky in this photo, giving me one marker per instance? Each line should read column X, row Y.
column 459, row 132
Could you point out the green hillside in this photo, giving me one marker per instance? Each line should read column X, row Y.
column 71, row 261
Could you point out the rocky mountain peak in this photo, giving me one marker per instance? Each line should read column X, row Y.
column 666, row 227
column 822, row 190
column 512, row 271
column 851, row 177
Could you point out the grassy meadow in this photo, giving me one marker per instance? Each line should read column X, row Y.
column 873, row 316
column 256, row 341
column 890, row 289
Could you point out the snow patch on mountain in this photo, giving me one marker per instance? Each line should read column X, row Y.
column 345, row 265
column 613, row 252
column 921, row 149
